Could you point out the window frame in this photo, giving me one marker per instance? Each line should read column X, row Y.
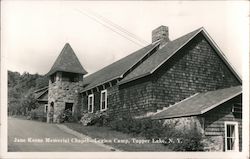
column 236, row 127
column 106, row 100
column 92, row 102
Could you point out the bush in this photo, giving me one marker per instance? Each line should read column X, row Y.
column 32, row 115
column 37, row 114
column 66, row 116
column 98, row 119
column 190, row 140
column 144, row 127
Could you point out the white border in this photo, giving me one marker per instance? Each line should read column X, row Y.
column 111, row 155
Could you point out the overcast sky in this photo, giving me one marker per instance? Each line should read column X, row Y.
column 34, row 32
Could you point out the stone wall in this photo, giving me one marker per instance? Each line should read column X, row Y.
column 61, row 92
column 213, row 143
column 186, row 123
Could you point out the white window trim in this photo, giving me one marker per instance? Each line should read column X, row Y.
column 106, row 101
column 236, row 136
column 91, row 95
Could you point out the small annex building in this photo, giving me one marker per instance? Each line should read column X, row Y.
column 188, row 80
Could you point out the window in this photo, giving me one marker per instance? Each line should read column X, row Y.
column 91, row 103
column 231, row 136
column 69, row 106
column 103, row 100
column 70, row 77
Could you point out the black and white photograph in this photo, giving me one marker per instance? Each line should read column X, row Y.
column 124, row 79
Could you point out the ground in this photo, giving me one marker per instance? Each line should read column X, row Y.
column 35, row 133
column 30, row 136
column 120, row 141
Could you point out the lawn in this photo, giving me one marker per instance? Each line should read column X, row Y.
column 121, row 141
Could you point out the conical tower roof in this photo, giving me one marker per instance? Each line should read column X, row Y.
column 67, row 61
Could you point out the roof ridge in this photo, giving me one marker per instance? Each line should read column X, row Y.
column 147, row 54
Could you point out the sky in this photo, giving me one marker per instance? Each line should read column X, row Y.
column 33, row 33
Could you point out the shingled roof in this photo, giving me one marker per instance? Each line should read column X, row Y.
column 67, row 61
column 162, row 55
column 116, row 69
column 199, row 103
column 148, row 65
column 41, row 94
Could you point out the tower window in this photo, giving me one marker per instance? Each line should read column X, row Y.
column 70, row 77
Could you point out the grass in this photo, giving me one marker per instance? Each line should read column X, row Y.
column 115, row 136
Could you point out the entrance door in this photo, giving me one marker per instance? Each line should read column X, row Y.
column 231, row 136
column 69, row 106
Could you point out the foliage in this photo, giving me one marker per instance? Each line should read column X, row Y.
column 98, row 118
column 29, row 101
column 20, row 91
column 143, row 127
column 66, row 116
column 37, row 114
column 42, row 81
column 190, row 140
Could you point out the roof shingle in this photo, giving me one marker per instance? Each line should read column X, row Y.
column 163, row 54
column 199, row 103
column 67, row 61
column 116, row 69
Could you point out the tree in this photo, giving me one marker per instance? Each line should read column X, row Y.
column 42, row 81
column 21, row 91
column 28, row 102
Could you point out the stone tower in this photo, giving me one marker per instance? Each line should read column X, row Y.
column 65, row 79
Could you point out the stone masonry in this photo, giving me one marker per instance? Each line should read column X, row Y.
column 62, row 92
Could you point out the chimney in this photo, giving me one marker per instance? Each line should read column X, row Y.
column 160, row 33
